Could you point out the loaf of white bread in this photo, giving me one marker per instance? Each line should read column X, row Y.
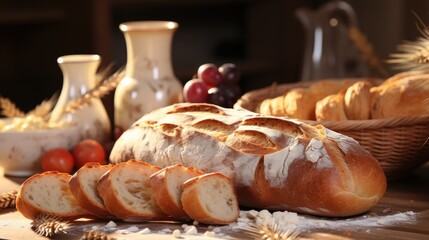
column 83, row 186
column 48, row 194
column 275, row 163
column 133, row 191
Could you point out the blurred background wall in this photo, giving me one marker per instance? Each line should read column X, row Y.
column 264, row 37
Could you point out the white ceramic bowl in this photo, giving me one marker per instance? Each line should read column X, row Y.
column 20, row 151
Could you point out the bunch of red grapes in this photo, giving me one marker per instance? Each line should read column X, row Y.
column 214, row 85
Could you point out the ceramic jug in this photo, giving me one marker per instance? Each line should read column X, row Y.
column 79, row 76
column 149, row 81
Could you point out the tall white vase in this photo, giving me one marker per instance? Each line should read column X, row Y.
column 149, row 81
column 79, row 76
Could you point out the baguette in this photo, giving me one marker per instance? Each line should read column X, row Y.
column 83, row 185
column 210, row 198
column 166, row 188
column 274, row 163
column 48, row 193
column 126, row 192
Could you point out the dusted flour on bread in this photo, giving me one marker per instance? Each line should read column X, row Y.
column 275, row 163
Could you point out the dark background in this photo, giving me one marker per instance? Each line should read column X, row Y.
column 264, row 37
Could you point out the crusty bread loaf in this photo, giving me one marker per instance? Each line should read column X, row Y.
column 166, row 188
column 48, row 193
column 403, row 95
column 210, row 199
column 275, row 163
column 126, row 192
column 300, row 103
column 83, row 185
column 331, row 108
column 357, row 101
column 352, row 103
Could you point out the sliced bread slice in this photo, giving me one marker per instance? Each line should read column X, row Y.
column 48, row 193
column 126, row 192
column 166, row 188
column 211, row 199
column 83, row 185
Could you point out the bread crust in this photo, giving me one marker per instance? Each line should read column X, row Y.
column 164, row 198
column 85, row 201
column 115, row 206
column 31, row 211
column 313, row 170
column 194, row 206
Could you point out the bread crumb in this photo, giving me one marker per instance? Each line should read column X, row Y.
column 381, row 221
column 192, row 230
column 209, row 234
column 184, row 225
column 195, row 223
column 132, row 229
column 111, row 224
column 165, row 230
column 144, row 231
column 95, row 228
column 176, row 233
column 216, row 230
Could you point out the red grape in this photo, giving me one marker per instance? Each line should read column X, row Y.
column 210, row 74
column 229, row 72
column 216, row 96
column 195, row 91
column 231, row 92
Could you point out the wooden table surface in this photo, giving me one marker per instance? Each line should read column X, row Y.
column 409, row 194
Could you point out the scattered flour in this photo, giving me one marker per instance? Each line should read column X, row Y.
column 291, row 220
column 284, row 220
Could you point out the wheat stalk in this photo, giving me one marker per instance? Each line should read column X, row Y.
column 7, row 200
column 269, row 230
column 49, row 226
column 101, row 90
column 413, row 55
column 44, row 108
column 96, row 235
column 366, row 50
column 9, row 109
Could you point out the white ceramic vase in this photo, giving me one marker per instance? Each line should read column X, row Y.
column 149, row 81
column 79, row 76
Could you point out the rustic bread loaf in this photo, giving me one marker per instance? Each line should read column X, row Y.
column 210, row 198
column 274, row 163
column 126, row 192
column 48, row 193
column 403, row 95
column 352, row 103
column 167, row 191
column 83, row 185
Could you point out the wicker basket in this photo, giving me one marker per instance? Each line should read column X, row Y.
column 400, row 144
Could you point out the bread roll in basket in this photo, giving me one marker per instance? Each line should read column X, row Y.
column 275, row 163
column 389, row 118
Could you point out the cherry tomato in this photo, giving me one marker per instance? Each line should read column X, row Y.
column 58, row 159
column 88, row 150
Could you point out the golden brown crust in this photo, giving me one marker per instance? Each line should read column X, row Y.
column 331, row 108
column 30, row 211
column 404, row 95
column 194, row 206
column 357, row 101
column 309, row 169
column 164, row 198
column 82, row 198
column 111, row 199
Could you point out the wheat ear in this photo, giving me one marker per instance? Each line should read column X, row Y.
column 101, row 90
column 9, row 109
column 49, row 226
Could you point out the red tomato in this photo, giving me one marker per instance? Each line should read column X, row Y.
column 88, row 150
column 58, row 159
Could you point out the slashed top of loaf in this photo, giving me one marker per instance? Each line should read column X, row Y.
column 280, row 141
